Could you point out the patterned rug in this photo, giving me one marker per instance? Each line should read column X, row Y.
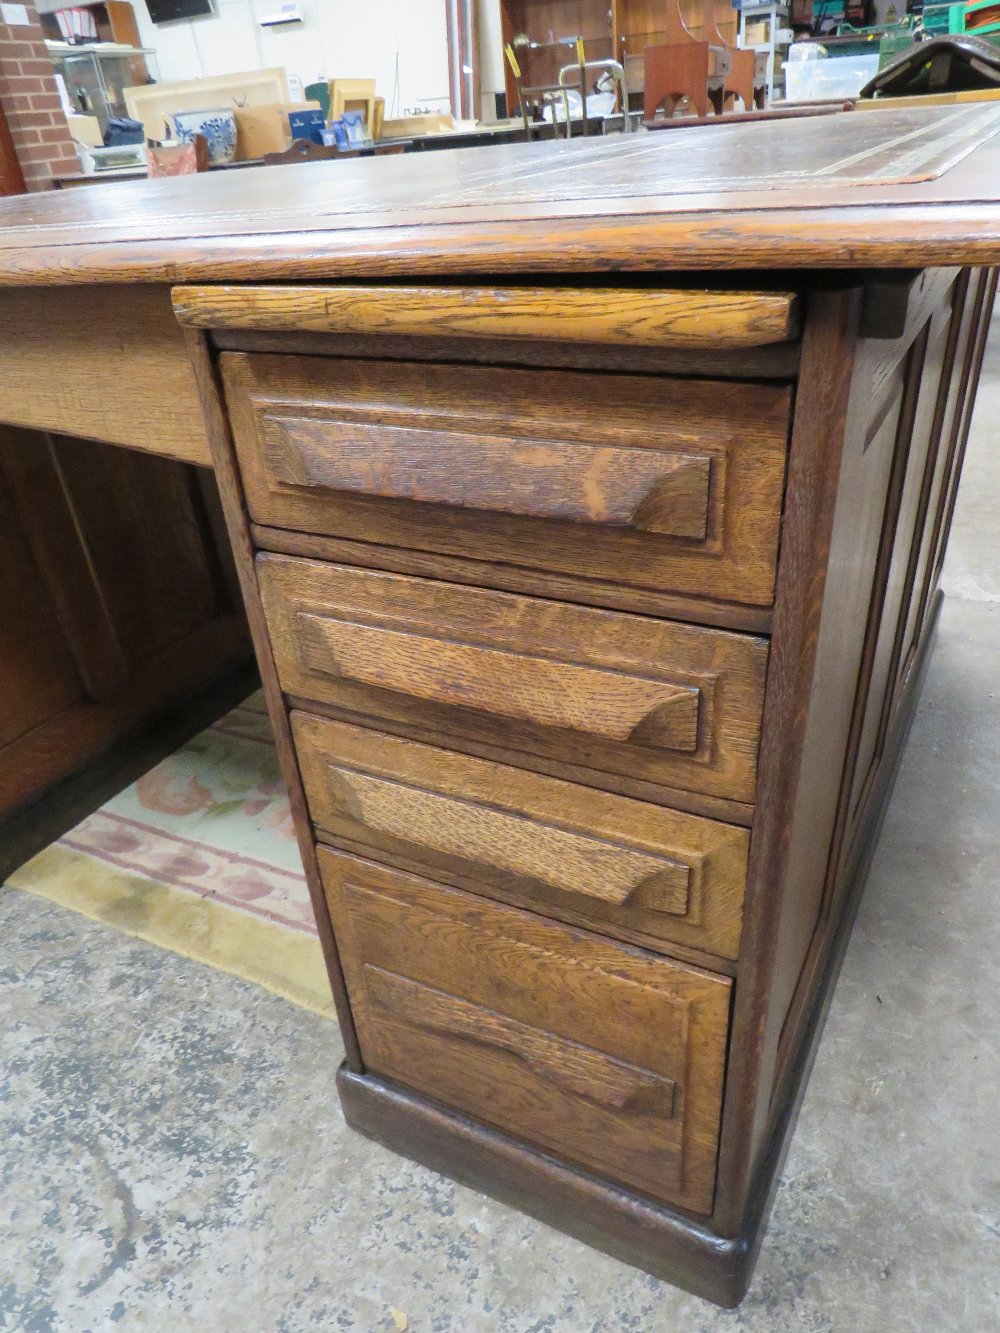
column 199, row 856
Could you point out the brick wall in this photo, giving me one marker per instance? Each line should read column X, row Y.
column 31, row 104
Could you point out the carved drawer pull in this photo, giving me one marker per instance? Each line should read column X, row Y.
column 613, row 872
column 651, row 490
column 577, row 1070
column 553, row 694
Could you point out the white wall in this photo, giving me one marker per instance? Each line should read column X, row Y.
column 402, row 44
column 491, row 58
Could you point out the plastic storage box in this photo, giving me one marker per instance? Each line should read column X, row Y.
column 828, row 79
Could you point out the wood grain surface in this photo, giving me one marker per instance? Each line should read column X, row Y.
column 235, row 514
column 588, row 856
column 539, row 478
column 113, row 602
column 108, row 364
column 509, row 578
column 607, row 694
column 776, row 361
column 680, row 479
column 509, row 684
column 605, row 1056
column 643, row 317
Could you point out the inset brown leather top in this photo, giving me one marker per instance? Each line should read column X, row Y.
column 888, row 188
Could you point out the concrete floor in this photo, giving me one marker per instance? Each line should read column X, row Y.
column 172, row 1156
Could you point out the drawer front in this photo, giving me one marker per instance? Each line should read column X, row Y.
column 583, row 855
column 608, row 1057
column 669, row 485
column 596, row 692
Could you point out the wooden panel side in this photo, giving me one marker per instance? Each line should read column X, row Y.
column 875, row 458
column 105, row 362
column 238, row 527
column 109, row 613
column 38, row 677
column 879, row 437
column 144, row 525
column 877, row 695
column 816, row 461
column 50, row 512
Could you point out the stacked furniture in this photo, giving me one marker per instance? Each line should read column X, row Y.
column 694, row 54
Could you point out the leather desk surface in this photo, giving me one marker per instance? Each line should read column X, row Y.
column 696, row 199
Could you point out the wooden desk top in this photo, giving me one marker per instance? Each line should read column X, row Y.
column 900, row 188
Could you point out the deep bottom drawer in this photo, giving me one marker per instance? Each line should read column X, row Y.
column 606, row 1056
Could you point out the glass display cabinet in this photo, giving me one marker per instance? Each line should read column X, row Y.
column 97, row 74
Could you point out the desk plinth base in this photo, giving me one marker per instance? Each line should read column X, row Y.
column 666, row 1244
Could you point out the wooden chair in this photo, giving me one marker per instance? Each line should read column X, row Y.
column 741, row 78
column 679, row 68
column 696, row 60
column 540, row 70
column 612, row 69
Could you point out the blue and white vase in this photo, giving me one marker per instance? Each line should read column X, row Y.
column 218, row 127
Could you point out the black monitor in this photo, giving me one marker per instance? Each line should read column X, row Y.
column 166, row 11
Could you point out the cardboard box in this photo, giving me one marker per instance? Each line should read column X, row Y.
column 85, row 130
column 265, row 129
column 411, row 126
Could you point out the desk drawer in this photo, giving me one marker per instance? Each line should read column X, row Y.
column 582, row 692
column 582, row 855
column 608, row 1057
column 669, row 485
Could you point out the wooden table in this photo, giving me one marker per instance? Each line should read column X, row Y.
column 591, row 597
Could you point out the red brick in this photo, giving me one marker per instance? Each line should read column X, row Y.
column 19, row 85
column 29, row 119
column 28, row 94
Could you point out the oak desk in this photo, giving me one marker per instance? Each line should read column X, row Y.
column 589, row 502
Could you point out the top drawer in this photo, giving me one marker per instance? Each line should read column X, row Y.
column 667, row 485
